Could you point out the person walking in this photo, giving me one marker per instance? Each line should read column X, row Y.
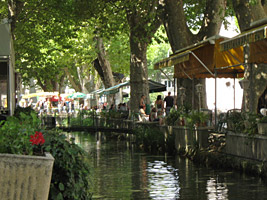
column 169, row 103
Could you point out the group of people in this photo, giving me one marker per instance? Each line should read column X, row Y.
column 157, row 110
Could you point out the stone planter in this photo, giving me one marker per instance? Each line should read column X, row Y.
column 262, row 128
column 25, row 177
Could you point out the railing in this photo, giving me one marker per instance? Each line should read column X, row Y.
column 90, row 121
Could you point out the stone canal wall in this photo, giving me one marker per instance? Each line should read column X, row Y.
column 246, row 146
column 240, row 152
column 186, row 138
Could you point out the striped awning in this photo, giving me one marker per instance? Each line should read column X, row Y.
column 205, row 60
column 247, row 37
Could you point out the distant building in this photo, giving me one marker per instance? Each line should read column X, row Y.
column 169, row 86
column 8, row 83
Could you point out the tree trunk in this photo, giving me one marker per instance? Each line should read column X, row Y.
column 106, row 68
column 77, row 87
column 247, row 13
column 175, row 25
column 138, row 73
column 142, row 28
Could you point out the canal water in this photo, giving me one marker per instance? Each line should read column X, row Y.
column 120, row 171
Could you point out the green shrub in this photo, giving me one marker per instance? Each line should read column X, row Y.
column 27, row 110
column 250, row 123
column 173, row 117
column 153, row 140
column 15, row 133
column 150, row 138
column 263, row 119
column 70, row 178
column 84, row 118
column 196, row 118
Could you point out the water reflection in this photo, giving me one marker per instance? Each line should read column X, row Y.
column 216, row 190
column 119, row 171
column 163, row 181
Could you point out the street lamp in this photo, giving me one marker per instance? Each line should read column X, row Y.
column 199, row 88
column 182, row 94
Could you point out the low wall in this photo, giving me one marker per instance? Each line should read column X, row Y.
column 186, row 138
column 250, row 147
column 190, row 138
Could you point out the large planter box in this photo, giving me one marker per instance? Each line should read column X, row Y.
column 262, row 128
column 243, row 145
column 25, row 177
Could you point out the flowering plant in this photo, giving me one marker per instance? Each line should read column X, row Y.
column 37, row 138
column 15, row 135
column 37, row 141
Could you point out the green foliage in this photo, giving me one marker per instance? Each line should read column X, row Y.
column 70, row 178
column 263, row 119
column 240, row 122
column 250, row 123
column 158, row 50
column 3, row 10
column 194, row 13
column 196, row 118
column 173, row 118
column 152, row 139
column 27, row 111
column 113, row 114
column 15, row 134
column 84, row 118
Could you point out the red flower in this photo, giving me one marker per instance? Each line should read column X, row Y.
column 37, row 138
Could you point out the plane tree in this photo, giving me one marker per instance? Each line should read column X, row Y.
column 248, row 12
column 188, row 22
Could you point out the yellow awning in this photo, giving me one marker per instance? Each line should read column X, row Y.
column 203, row 59
column 256, row 38
column 179, row 56
column 172, row 60
column 40, row 94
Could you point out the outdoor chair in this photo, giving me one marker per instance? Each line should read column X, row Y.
column 222, row 123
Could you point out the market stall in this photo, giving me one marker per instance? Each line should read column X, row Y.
column 205, row 60
column 255, row 79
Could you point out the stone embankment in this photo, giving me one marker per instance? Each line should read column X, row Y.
column 216, row 155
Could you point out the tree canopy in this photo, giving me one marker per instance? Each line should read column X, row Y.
column 53, row 37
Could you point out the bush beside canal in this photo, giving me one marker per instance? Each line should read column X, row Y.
column 152, row 139
column 70, row 178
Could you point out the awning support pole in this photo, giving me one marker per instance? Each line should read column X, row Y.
column 234, row 57
column 186, row 73
column 234, row 92
column 215, row 109
column 202, row 63
column 193, row 93
column 165, row 75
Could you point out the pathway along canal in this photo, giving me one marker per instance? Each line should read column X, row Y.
column 120, row 171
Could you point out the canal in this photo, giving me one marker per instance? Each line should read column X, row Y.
column 120, row 171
